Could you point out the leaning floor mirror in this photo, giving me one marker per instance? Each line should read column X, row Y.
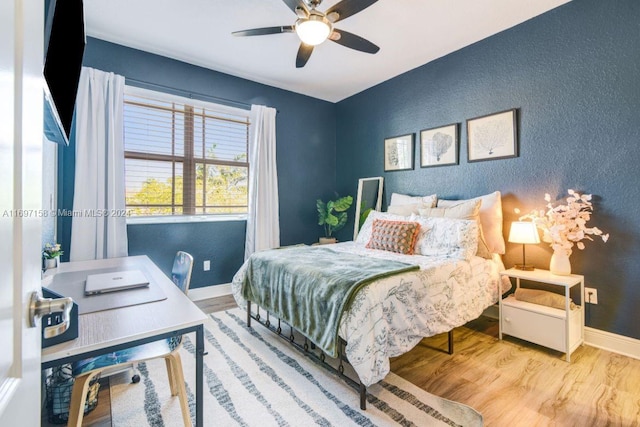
column 369, row 198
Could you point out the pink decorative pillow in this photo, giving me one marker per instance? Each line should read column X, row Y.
column 394, row 236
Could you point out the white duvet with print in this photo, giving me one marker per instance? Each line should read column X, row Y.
column 390, row 316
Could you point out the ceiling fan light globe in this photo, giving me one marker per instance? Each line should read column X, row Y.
column 313, row 30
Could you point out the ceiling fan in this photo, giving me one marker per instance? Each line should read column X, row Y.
column 314, row 27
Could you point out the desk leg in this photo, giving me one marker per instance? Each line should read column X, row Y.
column 199, row 374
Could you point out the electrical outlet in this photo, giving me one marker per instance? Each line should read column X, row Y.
column 591, row 295
column 207, row 265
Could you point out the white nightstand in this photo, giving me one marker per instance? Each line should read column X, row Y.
column 561, row 330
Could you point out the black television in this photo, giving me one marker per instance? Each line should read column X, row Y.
column 64, row 48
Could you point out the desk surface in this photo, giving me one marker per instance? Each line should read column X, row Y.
column 121, row 325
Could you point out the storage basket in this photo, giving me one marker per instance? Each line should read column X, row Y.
column 59, row 384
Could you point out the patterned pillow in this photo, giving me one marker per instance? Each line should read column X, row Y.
column 490, row 219
column 364, row 234
column 394, row 236
column 450, row 237
column 469, row 209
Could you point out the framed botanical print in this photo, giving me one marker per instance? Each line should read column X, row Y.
column 398, row 153
column 439, row 146
column 494, row 136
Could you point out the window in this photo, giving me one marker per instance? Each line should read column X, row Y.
column 184, row 157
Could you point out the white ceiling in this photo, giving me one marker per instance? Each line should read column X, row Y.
column 410, row 33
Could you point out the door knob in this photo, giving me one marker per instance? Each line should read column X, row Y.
column 39, row 307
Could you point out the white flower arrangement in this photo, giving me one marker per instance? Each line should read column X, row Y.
column 564, row 225
column 52, row 250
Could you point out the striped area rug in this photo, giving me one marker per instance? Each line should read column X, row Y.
column 255, row 378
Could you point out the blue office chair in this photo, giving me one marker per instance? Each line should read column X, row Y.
column 181, row 271
column 108, row 364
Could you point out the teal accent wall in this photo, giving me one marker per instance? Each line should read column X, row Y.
column 573, row 74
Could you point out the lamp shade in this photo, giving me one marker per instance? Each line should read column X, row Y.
column 524, row 232
column 313, row 30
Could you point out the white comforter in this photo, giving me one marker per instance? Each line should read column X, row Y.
column 390, row 316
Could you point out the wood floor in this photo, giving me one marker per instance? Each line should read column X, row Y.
column 516, row 383
column 212, row 305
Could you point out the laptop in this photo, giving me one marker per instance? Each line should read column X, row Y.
column 115, row 281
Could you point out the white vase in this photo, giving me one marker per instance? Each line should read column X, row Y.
column 50, row 263
column 560, row 263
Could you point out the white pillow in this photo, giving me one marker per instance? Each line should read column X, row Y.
column 490, row 219
column 364, row 234
column 406, row 210
column 451, row 237
column 402, row 199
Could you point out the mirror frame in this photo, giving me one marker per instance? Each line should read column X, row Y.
column 377, row 207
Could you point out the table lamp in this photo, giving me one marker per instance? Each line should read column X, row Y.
column 524, row 232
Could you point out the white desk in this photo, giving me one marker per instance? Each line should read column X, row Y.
column 110, row 330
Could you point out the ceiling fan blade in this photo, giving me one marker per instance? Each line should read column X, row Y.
column 352, row 41
column 304, row 52
column 298, row 7
column 265, row 31
column 346, row 8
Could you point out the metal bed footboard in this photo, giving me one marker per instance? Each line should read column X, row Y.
column 307, row 348
column 307, row 345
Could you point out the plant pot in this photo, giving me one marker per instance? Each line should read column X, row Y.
column 50, row 263
column 327, row 240
column 560, row 263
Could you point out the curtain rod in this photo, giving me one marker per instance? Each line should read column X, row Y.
column 188, row 94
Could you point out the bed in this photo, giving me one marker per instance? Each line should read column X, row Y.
column 449, row 284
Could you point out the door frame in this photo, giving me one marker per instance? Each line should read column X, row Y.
column 21, row 138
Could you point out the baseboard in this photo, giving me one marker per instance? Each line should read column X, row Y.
column 206, row 292
column 614, row 343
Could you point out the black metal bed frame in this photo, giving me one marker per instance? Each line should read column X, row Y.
column 304, row 349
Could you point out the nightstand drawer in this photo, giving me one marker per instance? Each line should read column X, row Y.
column 548, row 331
column 561, row 328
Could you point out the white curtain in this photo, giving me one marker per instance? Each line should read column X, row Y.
column 263, row 222
column 99, row 228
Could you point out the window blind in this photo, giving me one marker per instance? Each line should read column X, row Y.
column 184, row 157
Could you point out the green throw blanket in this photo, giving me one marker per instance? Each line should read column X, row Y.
column 310, row 287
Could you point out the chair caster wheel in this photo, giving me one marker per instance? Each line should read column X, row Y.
column 135, row 379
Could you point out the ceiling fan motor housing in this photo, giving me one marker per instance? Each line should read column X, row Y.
column 313, row 3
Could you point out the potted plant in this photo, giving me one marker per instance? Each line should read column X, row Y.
column 51, row 253
column 332, row 216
